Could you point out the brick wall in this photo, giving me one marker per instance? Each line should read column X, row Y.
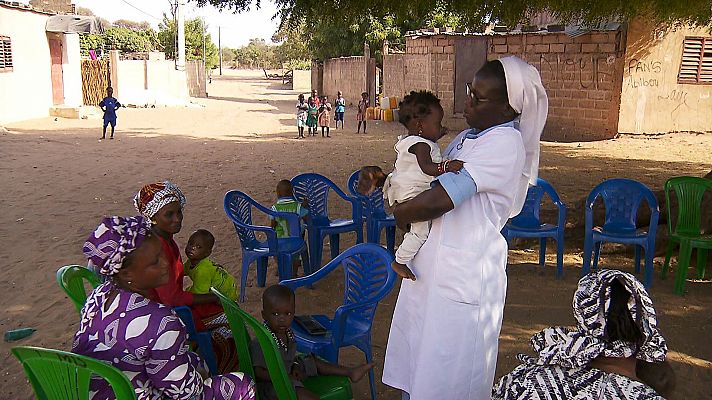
column 58, row 6
column 583, row 78
column 431, row 66
column 347, row 74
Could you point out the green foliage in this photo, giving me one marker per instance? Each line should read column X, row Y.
column 473, row 13
column 124, row 39
column 194, row 29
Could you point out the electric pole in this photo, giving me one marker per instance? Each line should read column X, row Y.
column 219, row 51
column 180, row 13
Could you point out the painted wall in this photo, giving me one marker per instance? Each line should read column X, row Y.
column 26, row 91
column 71, row 70
column 652, row 101
column 143, row 82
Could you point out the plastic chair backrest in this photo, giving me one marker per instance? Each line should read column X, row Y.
column 71, row 279
column 367, row 272
column 622, row 198
column 239, row 320
column 529, row 216
column 315, row 188
column 689, row 191
column 60, row 375
column 238, row 207
column 371, row 203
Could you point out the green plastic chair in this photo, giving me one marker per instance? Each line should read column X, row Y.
column 689, row 191
column 60, row 375
column 71, row 279
column 326, row 387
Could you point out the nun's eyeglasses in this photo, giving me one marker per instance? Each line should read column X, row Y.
column 471, row 94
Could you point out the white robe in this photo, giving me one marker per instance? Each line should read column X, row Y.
column 445, row 330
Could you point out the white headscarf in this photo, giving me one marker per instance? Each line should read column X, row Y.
column 528, row 97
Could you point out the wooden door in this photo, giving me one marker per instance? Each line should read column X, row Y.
column 55, row 52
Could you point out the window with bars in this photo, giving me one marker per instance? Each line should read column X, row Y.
column 5, row 54
column 696, row 65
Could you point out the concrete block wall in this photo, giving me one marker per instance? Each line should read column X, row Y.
column 582, row 76
column 431, row 65
column 347, row 74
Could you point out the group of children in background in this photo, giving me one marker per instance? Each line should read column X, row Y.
column 316, row 112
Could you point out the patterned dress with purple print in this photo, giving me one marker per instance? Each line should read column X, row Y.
column 147, row 341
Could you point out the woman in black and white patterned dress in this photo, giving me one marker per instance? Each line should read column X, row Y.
column 616, row 331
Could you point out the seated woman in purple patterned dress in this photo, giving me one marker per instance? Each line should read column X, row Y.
column 142, row 338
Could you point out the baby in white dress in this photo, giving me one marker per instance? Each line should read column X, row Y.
column 418, row 162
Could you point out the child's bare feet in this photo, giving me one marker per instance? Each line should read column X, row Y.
column 403, row 271
column 357, row 373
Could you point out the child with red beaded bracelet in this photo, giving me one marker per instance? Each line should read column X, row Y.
column 418, row 162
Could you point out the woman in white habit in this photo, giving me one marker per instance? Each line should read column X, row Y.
column 444, row 334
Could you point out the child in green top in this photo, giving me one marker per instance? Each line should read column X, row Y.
column 201, row 273
column 287, row 203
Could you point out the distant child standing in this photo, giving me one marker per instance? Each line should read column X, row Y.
column 325, row 115
column 287, row 203
column 363, row 104
column 109, row 105
column 302, row 109
column 201, row 273
column 312, row 115
column 340, row 109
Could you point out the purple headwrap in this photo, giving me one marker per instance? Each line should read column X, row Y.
column 110, row 243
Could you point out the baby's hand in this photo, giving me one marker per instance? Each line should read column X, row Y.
column 369, row 179
column 454, row 165
column 402, row 271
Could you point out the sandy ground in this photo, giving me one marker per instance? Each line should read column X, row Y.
column 57, row 180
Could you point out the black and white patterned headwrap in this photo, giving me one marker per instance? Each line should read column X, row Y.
column 113, row 240
column 578, row 347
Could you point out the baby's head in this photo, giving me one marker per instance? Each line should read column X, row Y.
column 421, row 113
column 278, row 308
column 200, row 246
column 285, row 189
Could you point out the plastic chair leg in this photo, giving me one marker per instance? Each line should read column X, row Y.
column 649, row 266
column 587, row 250
column 243, row 277
column 701, row 262
column 560, row 257
column 668, row 255
column 306, row 266
column 682, row 265
column 371, row 374
column 391, row 238
column 637, row 258
column 596, row 254
column 315, row 249
column 542, row 252
column 262, row 271
column 205, row 348
column 334, row 245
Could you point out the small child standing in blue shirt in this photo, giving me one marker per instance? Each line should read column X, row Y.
column 109, row 106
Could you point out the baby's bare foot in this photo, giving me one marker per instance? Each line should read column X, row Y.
column 357, row 373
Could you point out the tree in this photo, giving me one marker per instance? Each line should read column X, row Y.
column 133, row 25
column 474, row 13
column 194, row 29
column 124, row 39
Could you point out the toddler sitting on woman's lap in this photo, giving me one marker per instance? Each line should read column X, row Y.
column 201, row 273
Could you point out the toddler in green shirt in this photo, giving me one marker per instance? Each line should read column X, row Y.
column 200, row 272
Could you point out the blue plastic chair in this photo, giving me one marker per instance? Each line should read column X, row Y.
column 238, row 207
column 622, row 199
column 528, row 224
column 315, row 189
column 368, row 278
column 374, row 214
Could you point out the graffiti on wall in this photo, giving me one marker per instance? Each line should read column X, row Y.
column 643, row 73
column 589, row 70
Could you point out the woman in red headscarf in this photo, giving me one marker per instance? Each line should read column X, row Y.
column 162, row 203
